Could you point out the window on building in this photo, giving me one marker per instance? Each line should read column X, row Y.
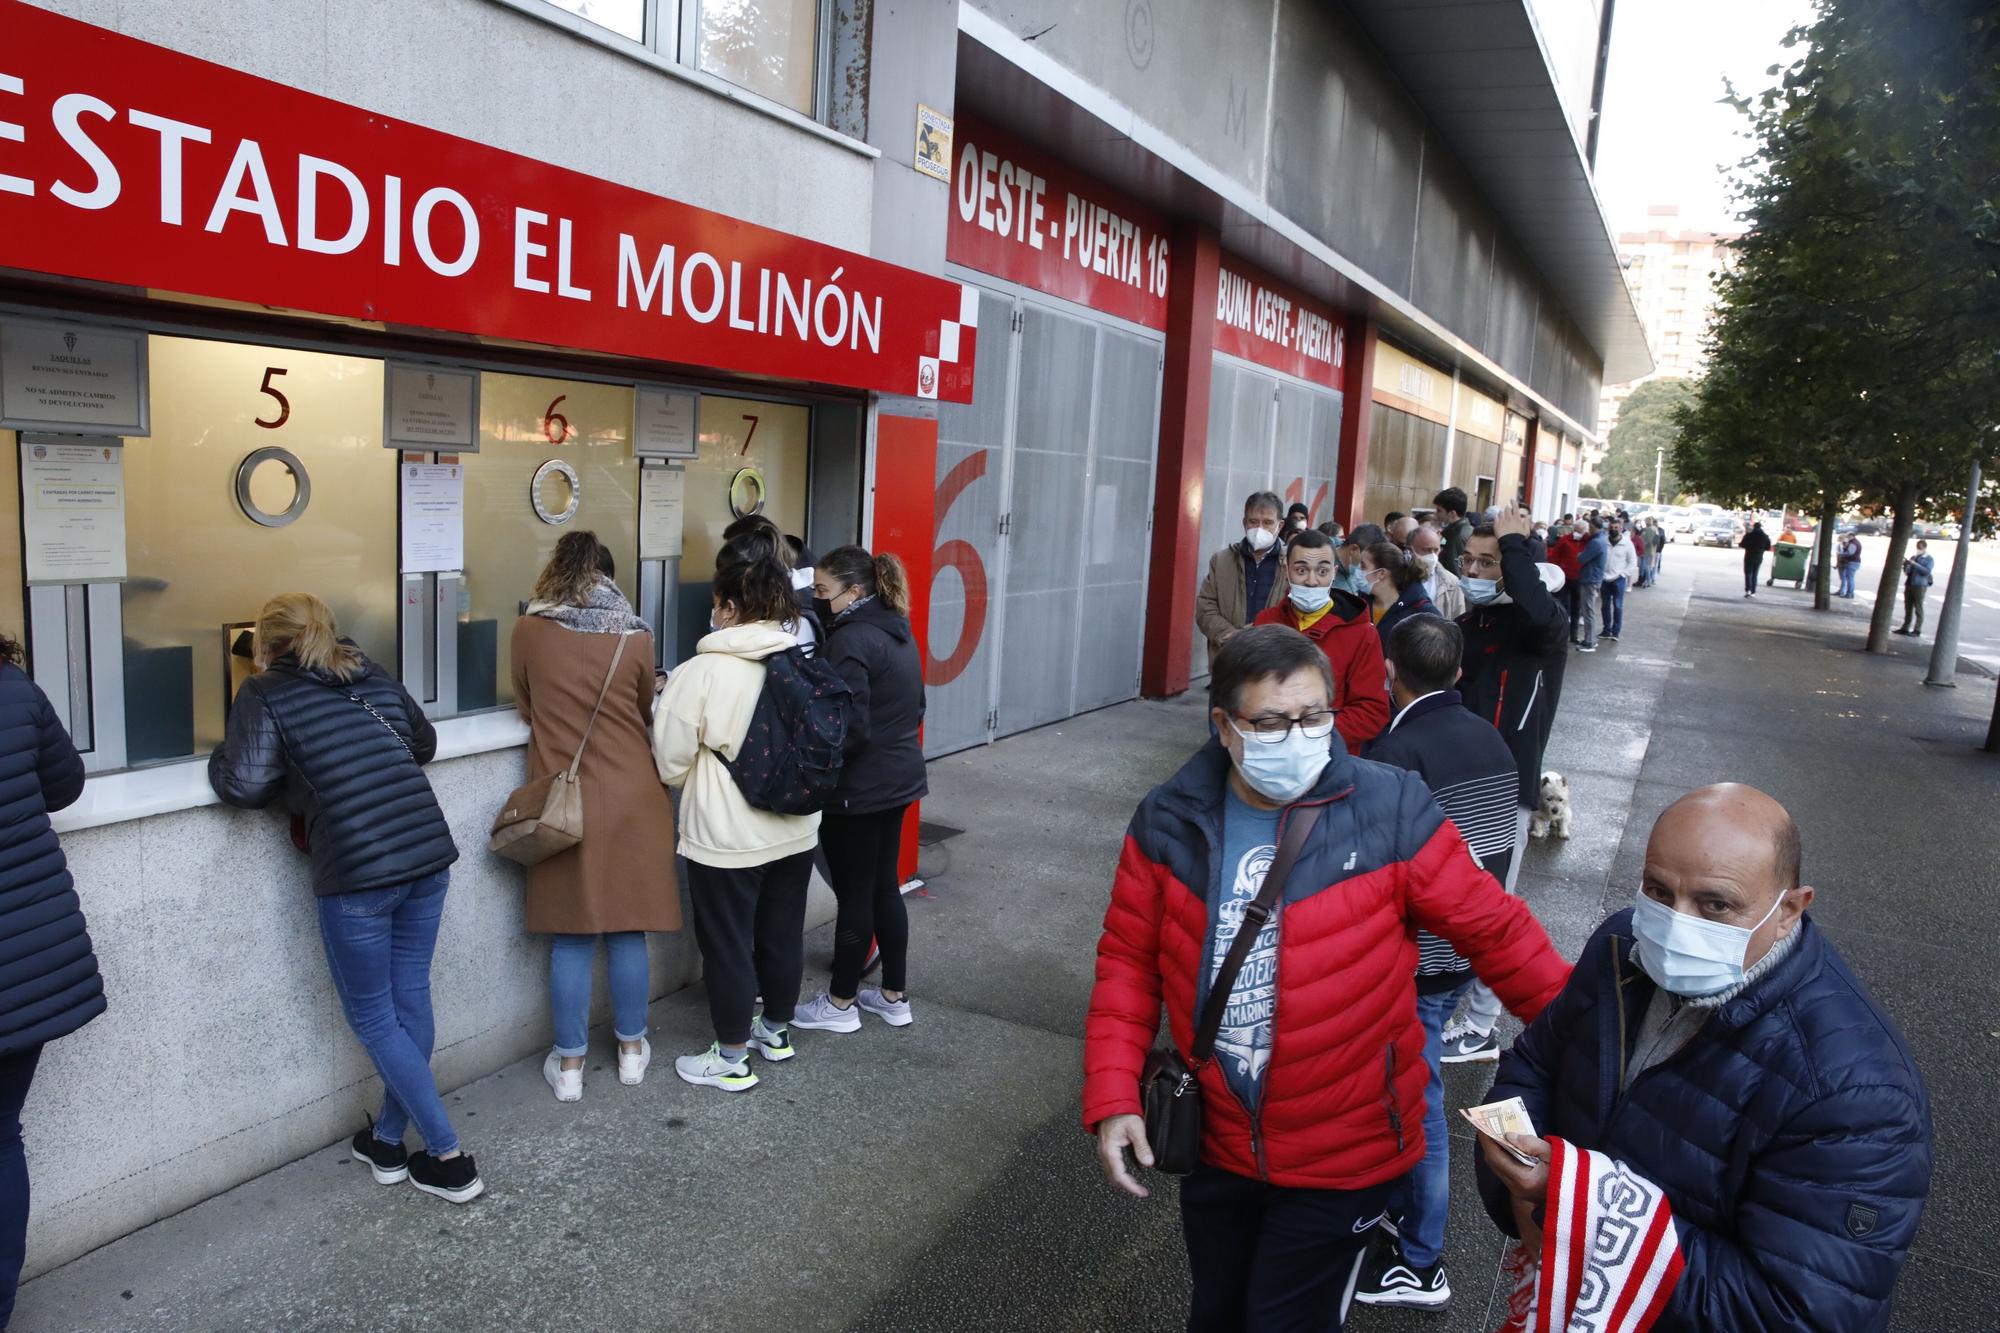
column 770, row 47
column 197, row 563
column 525, row 422
column 627, row 18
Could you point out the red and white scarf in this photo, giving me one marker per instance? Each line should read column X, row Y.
column 1609, row 1258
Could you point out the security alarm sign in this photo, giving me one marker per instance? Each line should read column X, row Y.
column 129, row 163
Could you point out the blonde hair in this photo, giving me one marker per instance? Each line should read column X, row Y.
column 571, row 575
column 300, row 625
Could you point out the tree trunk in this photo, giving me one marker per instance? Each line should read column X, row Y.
column 1892, row 569
column 1823, row 555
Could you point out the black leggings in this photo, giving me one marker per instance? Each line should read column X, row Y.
column 750, row 923
column 862, row 851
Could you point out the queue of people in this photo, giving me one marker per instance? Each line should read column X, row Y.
column 1709, row 1064
column 778, row 755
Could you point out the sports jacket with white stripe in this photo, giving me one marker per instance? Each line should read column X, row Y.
column 1470, row 771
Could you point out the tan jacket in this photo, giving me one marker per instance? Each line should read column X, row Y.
column 1450, row 595
column 1218, row 607
column 621, row 876
column 698, row 722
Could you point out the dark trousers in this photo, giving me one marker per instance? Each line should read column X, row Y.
column 1573, row 600
column 750, row 922
column 1913, row 606
column 17, row 1071
column 862, row 851
column 1267, row 1259
column 1751, row 564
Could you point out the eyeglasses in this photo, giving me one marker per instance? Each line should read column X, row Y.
column 1272, row 728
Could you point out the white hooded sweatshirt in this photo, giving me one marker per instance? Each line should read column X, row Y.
column 698, row 722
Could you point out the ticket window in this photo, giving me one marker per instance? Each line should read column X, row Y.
column 555, row 456
column 265, row 473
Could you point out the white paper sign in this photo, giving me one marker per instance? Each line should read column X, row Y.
column 663, row 423
column 71, row 378
column 431, row 408
column 433, row 517
column 73, row 512
column 662, row 502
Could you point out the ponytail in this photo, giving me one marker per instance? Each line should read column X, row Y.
column 879, row 576
column 749, row 574
column 1389, row 556
column 892, row 584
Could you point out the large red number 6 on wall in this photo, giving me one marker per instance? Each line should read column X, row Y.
column 284, row 403
column 555, row 426
column 964, row 557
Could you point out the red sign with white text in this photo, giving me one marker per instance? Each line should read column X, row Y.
column 129, row 163
column 1019, row 214
column 1265, row 321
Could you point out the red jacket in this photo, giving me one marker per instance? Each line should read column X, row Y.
column 1342, row 1099
column 1565, row 553
column 1346, row 634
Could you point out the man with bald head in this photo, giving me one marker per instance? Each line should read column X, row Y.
column 1399, row 529
column 1712, row 1042
column 1440, row 584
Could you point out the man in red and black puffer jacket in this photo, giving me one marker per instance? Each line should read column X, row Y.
column 1314, row 1103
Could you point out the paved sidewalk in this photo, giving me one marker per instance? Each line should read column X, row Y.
column 935, row 1178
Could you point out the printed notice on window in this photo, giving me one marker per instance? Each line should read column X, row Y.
column 431, row 408
column 433, row 517
column 663, row 423
column 72, row 378
column 662, row 505
column 73, row 512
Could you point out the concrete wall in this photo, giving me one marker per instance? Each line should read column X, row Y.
column 493, row 74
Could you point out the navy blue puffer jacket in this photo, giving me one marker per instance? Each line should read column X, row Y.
column 49, row 985
column 1792, row 1134
column 372, row 821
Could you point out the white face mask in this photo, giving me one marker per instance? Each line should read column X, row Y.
column 1687, row 955
column 1285, row 771
column 1426, row 565
column 1309, row 599
column 1260, row 539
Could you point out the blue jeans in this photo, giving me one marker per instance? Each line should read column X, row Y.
column 17, row 1071
column 378, row 947
column 1613, row 594
column 1847, row 573
column 1423, row 1197
column 630, row 972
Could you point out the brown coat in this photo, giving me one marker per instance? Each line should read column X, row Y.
column 1218, row 606
column 622, row 876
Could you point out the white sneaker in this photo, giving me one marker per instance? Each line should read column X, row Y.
column 631, row 1066
column 896, row 1013
column 710, row 1070
column 821, row 1014
column 568, row 1083
column 773, row 1043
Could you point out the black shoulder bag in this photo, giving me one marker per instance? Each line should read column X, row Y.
column 1169, row 1086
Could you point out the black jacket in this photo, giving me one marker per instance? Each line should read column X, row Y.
column 1755, row 543
column 1470, row 772
column 1453, row 539
column 1412, row 601
column 371, row 818
column 1792, row 1134
column 1515, row 653
column 49, row 985
column 875, row 652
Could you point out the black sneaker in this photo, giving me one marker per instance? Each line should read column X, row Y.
column 1388, row 1279
column 1462, row 1045
column 387, row 1161
column 455, row 1179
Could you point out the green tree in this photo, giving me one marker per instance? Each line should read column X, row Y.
column 1646, row 425
column 1852, row 354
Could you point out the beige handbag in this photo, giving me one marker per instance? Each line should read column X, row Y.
column 545, row 816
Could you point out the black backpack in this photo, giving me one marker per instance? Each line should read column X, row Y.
column 789, row 762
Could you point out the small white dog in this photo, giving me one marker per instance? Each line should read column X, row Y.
column 1552, row 815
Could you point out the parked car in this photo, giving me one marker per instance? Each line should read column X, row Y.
column 1842, row 527
column 1871, row 527
column 1928, row 531
column 1800, row 523
column 1720, row 531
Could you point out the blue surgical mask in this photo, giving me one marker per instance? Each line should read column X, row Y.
column 1310, row 599
column 1357, row 582
column 1687, row 955
column 1285, row 771
column 1481, row 592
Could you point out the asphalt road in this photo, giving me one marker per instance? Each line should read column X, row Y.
column 1979, row 629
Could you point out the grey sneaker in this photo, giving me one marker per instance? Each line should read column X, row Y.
column 896, row 1013
column 821, row 1014
column 773, row 1043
